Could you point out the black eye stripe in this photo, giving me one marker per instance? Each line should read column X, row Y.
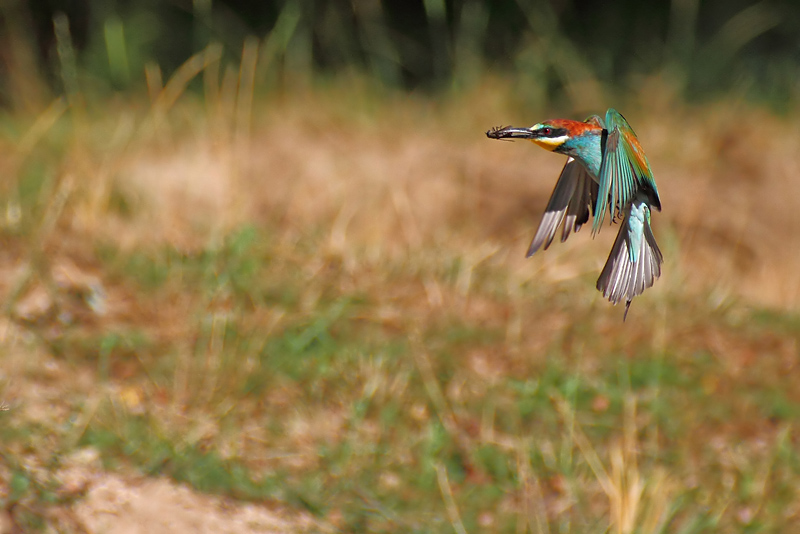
column 549, row 131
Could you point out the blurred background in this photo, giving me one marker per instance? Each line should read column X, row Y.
column 701, row 49
column 262, row 271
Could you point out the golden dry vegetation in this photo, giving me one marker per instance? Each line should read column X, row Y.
column 318, row 301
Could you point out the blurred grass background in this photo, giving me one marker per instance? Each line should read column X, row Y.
column 266, row 250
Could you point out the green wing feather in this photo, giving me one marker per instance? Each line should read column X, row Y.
column 623, row 172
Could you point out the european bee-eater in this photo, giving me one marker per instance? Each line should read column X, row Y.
column 606, row 172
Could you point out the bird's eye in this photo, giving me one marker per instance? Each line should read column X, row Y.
column 547, row 131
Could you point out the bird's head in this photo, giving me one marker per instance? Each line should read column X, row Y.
column 552, row 134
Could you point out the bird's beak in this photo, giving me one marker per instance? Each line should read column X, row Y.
column 510, row 132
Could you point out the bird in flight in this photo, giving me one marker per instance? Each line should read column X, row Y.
column 606, row 173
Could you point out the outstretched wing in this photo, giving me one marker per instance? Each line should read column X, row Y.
column 574, row 195
column 624, row 171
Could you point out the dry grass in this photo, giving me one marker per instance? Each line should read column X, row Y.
column 327, row 292
column 410, row 176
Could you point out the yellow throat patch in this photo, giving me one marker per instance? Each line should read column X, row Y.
column 550, row 143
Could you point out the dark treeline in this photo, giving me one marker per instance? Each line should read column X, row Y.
column 711, row 45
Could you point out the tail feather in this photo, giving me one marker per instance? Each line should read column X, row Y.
column 635, row 259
